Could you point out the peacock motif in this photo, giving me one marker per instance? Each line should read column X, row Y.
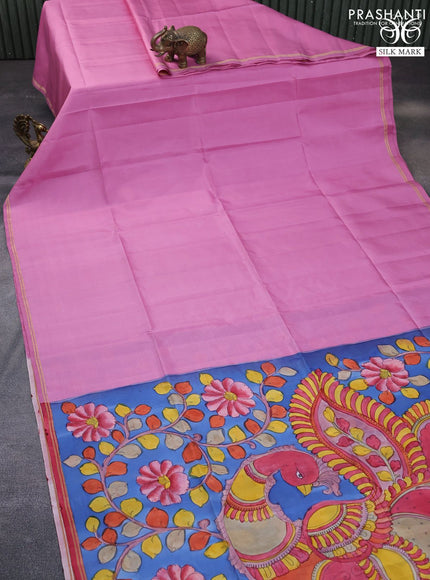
column 382, row 535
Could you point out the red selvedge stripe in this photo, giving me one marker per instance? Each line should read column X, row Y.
column 64, row 506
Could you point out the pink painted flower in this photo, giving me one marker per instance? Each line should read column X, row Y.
column 385, row 374
column 91, row 422
column 228, row 397
column 163, row 482
column 175, row 572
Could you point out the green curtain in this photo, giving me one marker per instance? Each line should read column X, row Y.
column 19, row 20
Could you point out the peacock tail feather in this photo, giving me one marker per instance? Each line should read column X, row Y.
column 355, row 435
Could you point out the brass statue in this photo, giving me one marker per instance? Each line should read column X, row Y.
column 22, row 127
column 186, row 41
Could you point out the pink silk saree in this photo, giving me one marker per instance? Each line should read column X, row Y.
column 222, row 277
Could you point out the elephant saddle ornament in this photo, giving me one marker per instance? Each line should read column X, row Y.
column 183, row 42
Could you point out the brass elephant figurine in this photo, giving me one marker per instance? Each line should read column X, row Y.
column 184, row 42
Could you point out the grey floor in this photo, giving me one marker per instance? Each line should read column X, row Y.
column 28, row 545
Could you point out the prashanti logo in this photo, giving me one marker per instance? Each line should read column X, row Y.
column 403, row 27
column 408, row 32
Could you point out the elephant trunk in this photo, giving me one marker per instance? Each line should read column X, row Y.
column 158, row 47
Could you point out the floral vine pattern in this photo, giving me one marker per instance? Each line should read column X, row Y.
column 389, row 373
column 155, row 474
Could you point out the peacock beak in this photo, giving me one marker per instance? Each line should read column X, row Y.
column 305, row 489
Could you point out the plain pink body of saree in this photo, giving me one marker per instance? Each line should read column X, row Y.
column 242, row 212
column 249, row 209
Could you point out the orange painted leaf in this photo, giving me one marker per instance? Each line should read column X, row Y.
column 214, row 484
column 114, row 519
column 117, row 435
column 422, row 341
column 387, row 397
column 89, row 452
column 142, row 410
column 252, row 426
column 68, row 407
column 351, row 364
column 412, row 359
column 216, row 421
column 192, row 452
column 153, row 422
column 91, row 544
column 278, row 411
column 268, row 368
column 109, row 536
column 183, row 388
column 236, row 451
column 198, row 541
column 157, row 518
column 276, row 382
column 116, row 468
column 92, row 486
column 194, row 415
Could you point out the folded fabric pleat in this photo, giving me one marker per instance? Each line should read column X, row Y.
column 241, row 33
